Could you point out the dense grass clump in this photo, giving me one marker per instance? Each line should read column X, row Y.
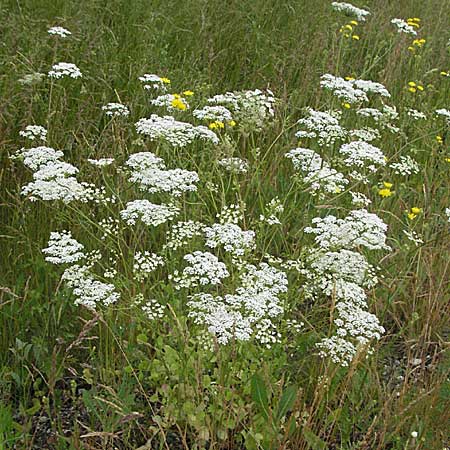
column 224, row 225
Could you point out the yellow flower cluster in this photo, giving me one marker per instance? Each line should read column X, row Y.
column 416, row 44
column 385, row 191
column 219, row 124
column 413, row 22
column 413, row 87
column 413, row 213
column 347, row 30
column 178, row 101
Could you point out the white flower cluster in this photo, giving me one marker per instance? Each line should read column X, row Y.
column 251, row 109
column 204, row 268
column 63, row 248
column 352, row 91
column 273, row 209
column 33, row 132
column 213, row 113
column 415, row 114
column 35, row 157
column 362, row 155
column 348, row 8
column 403, row 27
column 182, row 232
column 231, row 236
column 323, row 126
column 231, row 213
column 102, row 162
column 235, row 165
column 316, row 172
column 359, row 228
column 53, row 179
column 406, row 166
column 155, row 82
column 88, row 291
column 359, row 199
column 149, row 172
column 116, row 110
column 367, row 134
column 447, row 212
column 176, row 133
column 59, row 31
column 153, row 309
column 149, row 213
column 336, row 270
column 247, row 312
column 173, row 102
column 445, row 113
column 64, row 69
column 145, row 263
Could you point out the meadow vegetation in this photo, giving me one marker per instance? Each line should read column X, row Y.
column 224, row 225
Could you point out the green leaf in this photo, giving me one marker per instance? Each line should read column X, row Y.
column 259, row 394
column 314, row 441
column 286, row 402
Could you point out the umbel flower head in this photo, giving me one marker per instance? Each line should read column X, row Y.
column 176, row 133
column 64, row 69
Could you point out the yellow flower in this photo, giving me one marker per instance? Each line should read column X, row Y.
column 412, row 84
column 349, row 27
column 412, row 89
column 178, row 103
column 216, row 124
column 354, row 22
column 416, row 210
column 387, row 185
column 420, row 87
column 349, row 78
column 411, row 216
column 385, row 192
column 188, row 93
column 355, row 37
column 232, row 123
column 447, row 160
column 346, row 105
column 411, row 49
column 439, row 139
column 445, row 74
column 165, row 80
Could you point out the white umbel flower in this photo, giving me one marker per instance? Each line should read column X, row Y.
column 176, row 133
column 64, row 69
column 147, row 212
column 59, row 31
column 63, row 248
column 33, row 132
